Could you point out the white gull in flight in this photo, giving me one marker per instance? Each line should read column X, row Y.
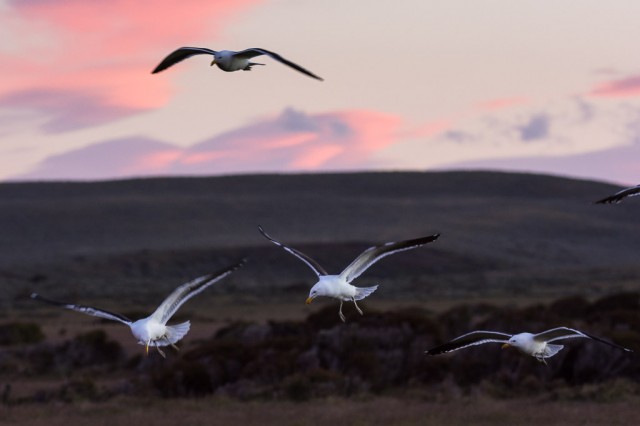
column 152, row 330
column 339, row 286
column 228, row 60
column 537, row 345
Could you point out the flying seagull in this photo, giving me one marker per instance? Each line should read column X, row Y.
column 152, row 330
column 228, row 60
column 339, row 286
column 537, row 345
column 619, row 196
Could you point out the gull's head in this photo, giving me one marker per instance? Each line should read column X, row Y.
column 517, row 341
column 216, row 59
column 316, row 290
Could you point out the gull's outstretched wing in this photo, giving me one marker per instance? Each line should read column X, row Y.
column 619, row 196
column 568, row 333
column 373, row 254
column 319, row 270
column 186, row 291
column 180, row 55
column 253, row 52
column 470, row 339
column 95, row 312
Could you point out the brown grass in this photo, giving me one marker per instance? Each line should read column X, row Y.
column 369, row 411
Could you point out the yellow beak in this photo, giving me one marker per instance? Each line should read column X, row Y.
column 213, row 62
column 309, row 300
column 505, row 346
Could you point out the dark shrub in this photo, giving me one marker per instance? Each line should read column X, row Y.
column 182, row 378
column 20, row 333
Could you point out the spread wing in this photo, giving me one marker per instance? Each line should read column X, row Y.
column 470, row 339
column 180, row 55
column 315, row 266
column 186, row 291
column 373, row 254
column 619, row 196
column 95, row 312
column 253, row 52
column 568, row 333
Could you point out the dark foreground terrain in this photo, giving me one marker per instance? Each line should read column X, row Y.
column 517, row 253
column 370, row 370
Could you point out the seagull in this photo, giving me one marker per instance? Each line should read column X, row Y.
column 339, row 286
column 619, row 196
column 228, row 60
column 152, row 330
column 537, row 345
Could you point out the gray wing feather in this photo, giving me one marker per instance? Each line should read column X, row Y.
column 315, row 266
column 470, row 339
column 186, row 291
column 88, row 310
column 619, row 196
column 180, row 55
column 558, row 334
column 569, row 333
column 373, row 254
column 253, row 52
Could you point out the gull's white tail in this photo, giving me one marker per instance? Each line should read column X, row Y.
column 550, row 350
column 362, row 292
column 174, row 334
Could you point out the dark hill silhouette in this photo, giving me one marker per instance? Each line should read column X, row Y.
column 501, row 232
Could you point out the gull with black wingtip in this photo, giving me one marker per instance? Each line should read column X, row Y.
column 153, row 330
column 339, row 286
column 538, row 345
column 228, row 60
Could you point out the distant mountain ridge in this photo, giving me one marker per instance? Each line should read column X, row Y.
column 521, row 227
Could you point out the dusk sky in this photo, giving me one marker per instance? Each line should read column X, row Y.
column 525, row 85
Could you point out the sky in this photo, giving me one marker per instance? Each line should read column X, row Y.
column 551, row 87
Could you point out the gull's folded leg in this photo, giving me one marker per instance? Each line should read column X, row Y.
column 341, row 314
column 160, row 351
column 166, row 339
column 357, row 307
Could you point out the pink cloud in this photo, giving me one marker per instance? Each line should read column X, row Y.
column 291, row 141
column 115, row 158
column 155, row 161
column 101, row 51
column 624, row 87
column 66, row 110
column 200, row 157
column 316, row 157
